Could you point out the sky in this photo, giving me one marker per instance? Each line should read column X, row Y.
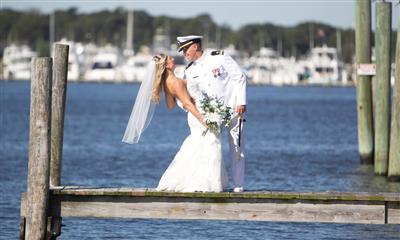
column 234, row 13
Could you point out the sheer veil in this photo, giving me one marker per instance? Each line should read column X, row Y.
column 143, row 109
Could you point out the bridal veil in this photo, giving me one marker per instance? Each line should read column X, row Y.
column 143, row 109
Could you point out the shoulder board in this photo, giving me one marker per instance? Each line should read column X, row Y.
column 217, row 52
column 188, row 66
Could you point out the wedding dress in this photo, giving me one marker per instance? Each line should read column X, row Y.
column 198, row 165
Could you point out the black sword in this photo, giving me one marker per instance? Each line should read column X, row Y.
column 241, row 120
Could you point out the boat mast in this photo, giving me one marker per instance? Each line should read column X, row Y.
column 129, row 31
column 51, row 31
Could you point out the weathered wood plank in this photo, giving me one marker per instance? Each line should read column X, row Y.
column 293, row 212
column 348, row 196
column 337, row 207
column 393, row 210
column 260, row 205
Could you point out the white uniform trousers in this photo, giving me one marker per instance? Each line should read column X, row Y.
column 236, row 152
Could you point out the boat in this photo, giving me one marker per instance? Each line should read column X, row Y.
column 103, row 66
column 323, row 67
column 267, row 67
column 17, row 62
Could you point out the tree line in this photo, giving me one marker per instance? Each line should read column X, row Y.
column 32, row 28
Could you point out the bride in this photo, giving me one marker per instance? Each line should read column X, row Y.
column 198, row 165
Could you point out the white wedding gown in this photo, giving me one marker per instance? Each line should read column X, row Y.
column 198, row 165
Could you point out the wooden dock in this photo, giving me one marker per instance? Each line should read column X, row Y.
column 332, row 207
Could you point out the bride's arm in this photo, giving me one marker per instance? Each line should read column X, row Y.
column 169, row 98
column 182, row 94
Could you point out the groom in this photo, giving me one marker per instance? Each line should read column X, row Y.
column 220, row 75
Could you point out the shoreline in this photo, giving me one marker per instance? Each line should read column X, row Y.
column 248, row 83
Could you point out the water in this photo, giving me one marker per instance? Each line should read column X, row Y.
column 298, row 139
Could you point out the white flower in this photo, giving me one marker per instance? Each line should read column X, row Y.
column 214, row 117
column 213, row 102
column 216, row 114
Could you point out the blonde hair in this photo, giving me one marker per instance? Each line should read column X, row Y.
column 160, row 60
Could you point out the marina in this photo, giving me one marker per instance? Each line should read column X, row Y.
column 88, row 63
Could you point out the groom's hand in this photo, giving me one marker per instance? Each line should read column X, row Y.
column 240, row 109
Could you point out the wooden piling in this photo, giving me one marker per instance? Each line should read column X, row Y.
column 364, row 94
column 39, row 148
column 59, row 89
column 382, row 91
column 394, row 149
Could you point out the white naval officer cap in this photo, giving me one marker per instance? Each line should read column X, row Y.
column 186, row 41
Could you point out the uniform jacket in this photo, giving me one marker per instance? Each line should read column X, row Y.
column 217, row 75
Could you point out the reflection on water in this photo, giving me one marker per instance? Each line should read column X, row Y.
column 366, row 179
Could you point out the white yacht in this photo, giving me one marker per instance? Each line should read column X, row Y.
column 267, row 67
column 103, row 66
column 17, row 62
column 323, row 66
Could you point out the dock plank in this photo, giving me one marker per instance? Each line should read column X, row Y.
column 334, row 207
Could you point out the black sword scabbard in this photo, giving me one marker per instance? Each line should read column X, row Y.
column 240, row 129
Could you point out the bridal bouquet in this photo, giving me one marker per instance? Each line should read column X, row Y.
column 215, row 113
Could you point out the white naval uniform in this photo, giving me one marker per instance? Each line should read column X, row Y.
column 219, row 75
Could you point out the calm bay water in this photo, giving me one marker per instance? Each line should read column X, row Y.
column 297, row 139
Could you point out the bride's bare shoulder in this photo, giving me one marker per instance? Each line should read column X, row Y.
column 169, row 82
column 173, row 85
column 177, row 82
